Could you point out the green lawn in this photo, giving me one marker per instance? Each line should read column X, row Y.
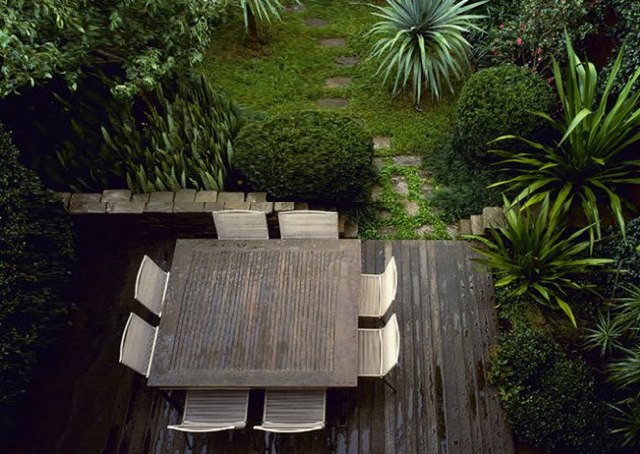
column 287, row 74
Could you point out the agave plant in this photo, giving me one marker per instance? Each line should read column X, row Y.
column 587, row 159
column 423, row 41
column 532, row 255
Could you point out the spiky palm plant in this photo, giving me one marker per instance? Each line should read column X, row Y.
column 587, row 160
column 532, row 255
column 423, row 41
column 263, row 10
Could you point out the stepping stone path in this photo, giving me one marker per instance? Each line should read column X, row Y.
column 333, row 42
column 400, row 185
column 347, row 61
column 337, row 82
column 315, row 22
column 335, row 103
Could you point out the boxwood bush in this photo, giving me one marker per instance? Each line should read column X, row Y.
column 550, row 399
column 313, row 156
column 499, row 101
column 35, row 263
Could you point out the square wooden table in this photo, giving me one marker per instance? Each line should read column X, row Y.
column 260, row 314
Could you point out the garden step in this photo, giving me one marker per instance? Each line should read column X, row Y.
column 493, row 217
column 347, row 61
column 408, row 161
column 337, row 82
column 333, row 42
column 333, row 103
column 464, row 226
column 315, row 22
column 477, row 225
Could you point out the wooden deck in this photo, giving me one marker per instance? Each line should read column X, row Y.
column 85, row 402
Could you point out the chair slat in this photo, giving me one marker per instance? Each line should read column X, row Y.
column 151, row 285
column 214, row 410
column 136, row 346
column 293, row 410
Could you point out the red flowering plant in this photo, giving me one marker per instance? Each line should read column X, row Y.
column 536, row 33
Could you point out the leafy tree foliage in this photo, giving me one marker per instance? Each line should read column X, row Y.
column 143, row 39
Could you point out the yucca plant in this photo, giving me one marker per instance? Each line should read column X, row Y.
column 423, row 41
column 533, row 257
column 263, row 10
column 586, row 161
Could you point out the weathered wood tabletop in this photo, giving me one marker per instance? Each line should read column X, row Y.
column 260, row 313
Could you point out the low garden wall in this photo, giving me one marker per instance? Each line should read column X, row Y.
column 187, row 212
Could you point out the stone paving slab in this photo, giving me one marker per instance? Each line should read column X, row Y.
column 297, row 8
column 231, row 197
column 214, row 206
column 347, row 61
column 161, row 196
column 333, row 103
column 116, row 195
column 185, row 195
column 333, row 42
column 206, row 196
column 380, row 143
column 130, row 207
column 408, row 161
column 159, row 207
column 266, row 207
column 337, row 82
column 140, row 198
column 237, row 205
column 315, row 22
column 188, row 207
column 256, row 197
column 284, row 206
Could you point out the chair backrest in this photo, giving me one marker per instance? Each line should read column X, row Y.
column 210, row 410
column 308, row 224
column 241, row 225
column 389, row 285
column 137, row 344
column 390, row 345
column 151, row 285
column 294, row 410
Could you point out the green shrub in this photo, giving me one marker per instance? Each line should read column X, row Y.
column 497, row 101
column 550, row 399
column 314, row 156
column 627, row 32
column 35, row 262
column 625, row 253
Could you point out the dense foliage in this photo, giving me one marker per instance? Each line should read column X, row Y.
column 530, row 32
column 627, row 33
column 184, row 141
column 532, row 254
column 587, row 159
column 143, row 39
column 316, row 156
column 423, row 42
column 550, row 399
column 35, row 263
column 499, row 101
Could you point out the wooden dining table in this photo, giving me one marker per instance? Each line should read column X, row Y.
column 260, row 314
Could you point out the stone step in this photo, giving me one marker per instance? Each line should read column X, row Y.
column 477, row 224
column 464, row 226
column 493, row 217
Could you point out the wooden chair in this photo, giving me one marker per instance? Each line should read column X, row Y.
column 308, row 224
column 213, row 411
column 241, row 225
column 151, row 285
column 138, row 344
column 379, row 350
column 377, row 291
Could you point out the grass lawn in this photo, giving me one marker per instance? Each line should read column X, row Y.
column 287, row 74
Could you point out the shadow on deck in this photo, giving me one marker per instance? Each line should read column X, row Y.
column 85, row 402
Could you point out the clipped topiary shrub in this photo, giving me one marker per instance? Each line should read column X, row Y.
column 313, row 156
column 35, row 264
column 550, row 399
column 498, row 101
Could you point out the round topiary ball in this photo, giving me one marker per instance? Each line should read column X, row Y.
column 310, row 156
column 499, row 101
